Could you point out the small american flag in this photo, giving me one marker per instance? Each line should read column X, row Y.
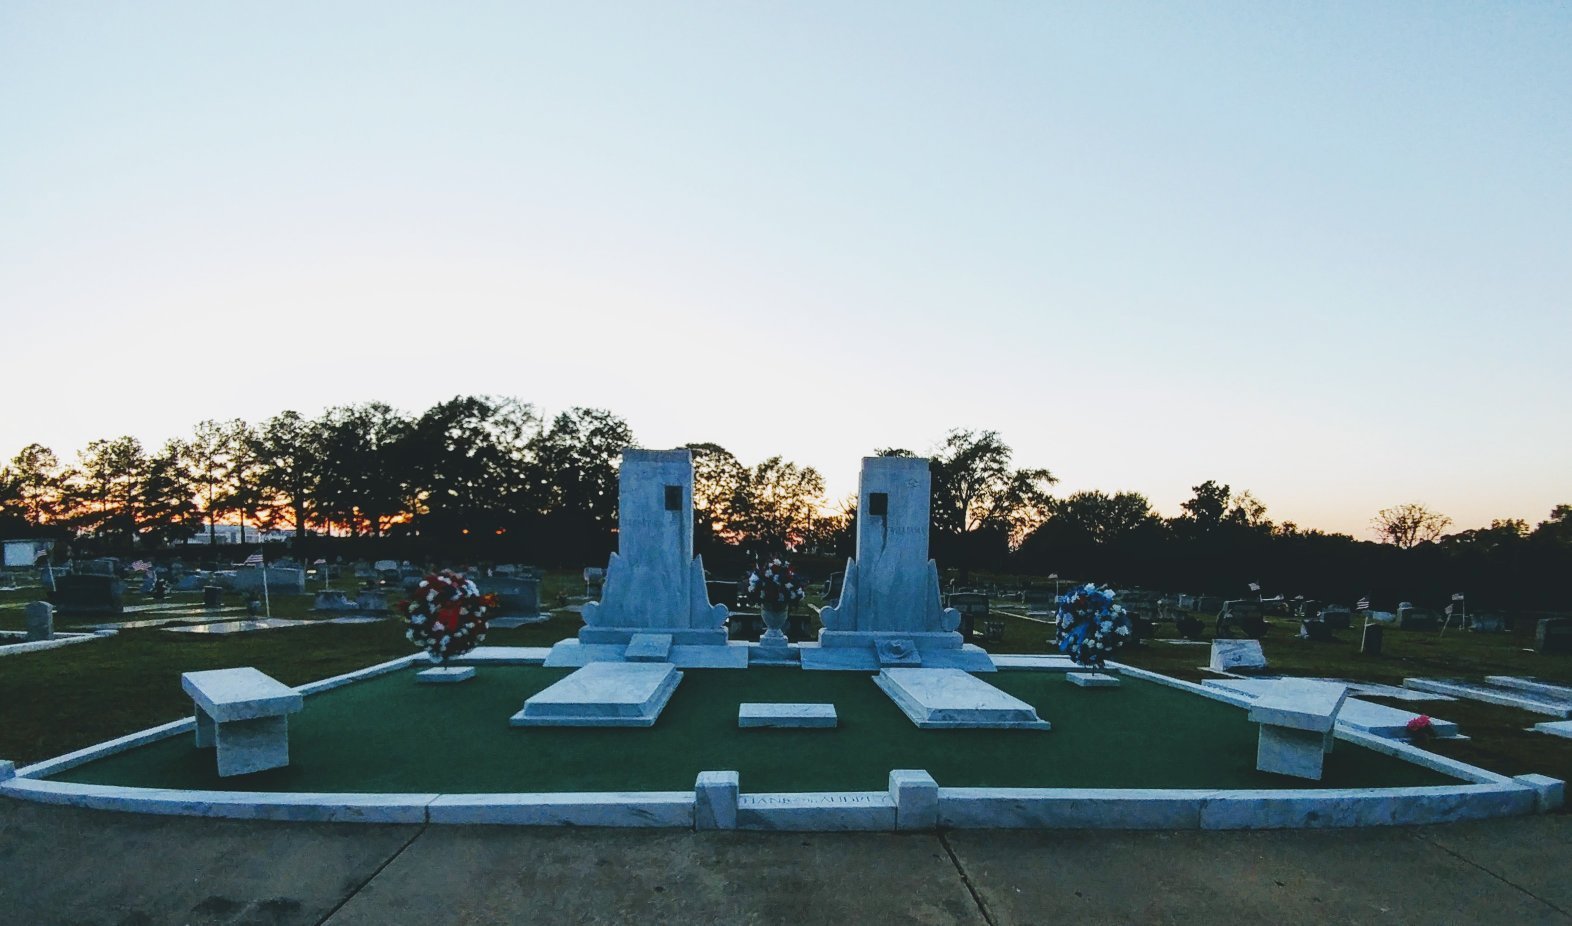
column 1457, row 596
column 1053, row 575
column 141, row 565
column 319, row 562
column 1363, row 604
column 254, row 559
column 1255, row 586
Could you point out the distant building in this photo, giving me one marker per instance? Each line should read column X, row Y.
column 239, row 534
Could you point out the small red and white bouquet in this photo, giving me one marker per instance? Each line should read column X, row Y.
column 775, row 583
column 447, row 615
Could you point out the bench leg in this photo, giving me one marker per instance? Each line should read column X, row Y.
column 206, row 733
column 1287, row 751
column 246, row 746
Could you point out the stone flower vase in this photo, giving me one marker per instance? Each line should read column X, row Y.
column 774, row 621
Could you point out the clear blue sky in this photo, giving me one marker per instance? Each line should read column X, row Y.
column 1319, row 251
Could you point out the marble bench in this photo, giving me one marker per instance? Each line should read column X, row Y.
column 245, row 715
column 1297, row 718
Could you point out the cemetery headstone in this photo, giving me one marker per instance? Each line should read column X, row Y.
column 517, row 595
column 371, row 601
column 1553, row 635
column 40, row 618
column 891, row 590
column 281, row 580
column 654, row 584
column 973, row 607
column 1485, row 623
column 1370, row 640
column 594, row 581
column 1237, row 655
column 89, row 594
column 212, row 596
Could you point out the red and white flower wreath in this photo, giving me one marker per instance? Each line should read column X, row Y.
column 447, row 615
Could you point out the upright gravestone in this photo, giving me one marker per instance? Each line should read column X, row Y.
column 517, row 595
column 89, row 594
column 889, row 612
column 654, row 587
column 40, row 617
column 1553, row 635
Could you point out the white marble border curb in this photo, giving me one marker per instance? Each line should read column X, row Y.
column 912, row 795
column 55, row 642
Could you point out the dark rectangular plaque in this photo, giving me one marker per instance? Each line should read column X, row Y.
column 674, row 498
column 879, row 504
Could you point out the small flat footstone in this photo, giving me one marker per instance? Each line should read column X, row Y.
column 1092, row 680
column 603, row 694
column 754, row 715
column 950, row 699
column 648, row 647
column 445, row 675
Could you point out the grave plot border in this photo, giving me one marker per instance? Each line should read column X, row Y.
column 913, row 801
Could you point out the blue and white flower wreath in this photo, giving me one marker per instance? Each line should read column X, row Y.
column 1091, row 627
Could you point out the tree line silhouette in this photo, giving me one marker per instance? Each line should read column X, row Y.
column 491, row 477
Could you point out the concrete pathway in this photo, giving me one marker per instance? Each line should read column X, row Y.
column 62, row 865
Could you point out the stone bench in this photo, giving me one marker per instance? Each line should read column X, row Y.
column 1297, row 718
column 245, row 715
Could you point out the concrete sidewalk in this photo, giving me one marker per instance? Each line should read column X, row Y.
column 62, row 865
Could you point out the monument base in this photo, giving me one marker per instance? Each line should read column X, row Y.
column 628, row 694
column 573, row 653
column 949, row 699
column 770, row 653
column 680, row 636
column 862, row 651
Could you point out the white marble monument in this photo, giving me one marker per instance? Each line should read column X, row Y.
column 890, row 612
column 654, row 604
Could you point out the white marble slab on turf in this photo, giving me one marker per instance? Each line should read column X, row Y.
column 603, row 694
column 1092, row 680
column 1049, row 663
column 948, row 699
column 786, row 716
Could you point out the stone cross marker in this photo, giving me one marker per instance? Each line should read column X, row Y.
column 889, row 610
column 653, row 581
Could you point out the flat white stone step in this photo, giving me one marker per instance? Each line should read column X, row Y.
column 753, row 715
column 445, row 675
column 1092, row 679
column 944, row 699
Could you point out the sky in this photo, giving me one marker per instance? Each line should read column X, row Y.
column 1322, row 252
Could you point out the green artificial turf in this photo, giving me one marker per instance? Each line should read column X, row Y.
column 391, row 734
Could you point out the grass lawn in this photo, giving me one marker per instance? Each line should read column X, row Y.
column 56, row 701
column 392, row 734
